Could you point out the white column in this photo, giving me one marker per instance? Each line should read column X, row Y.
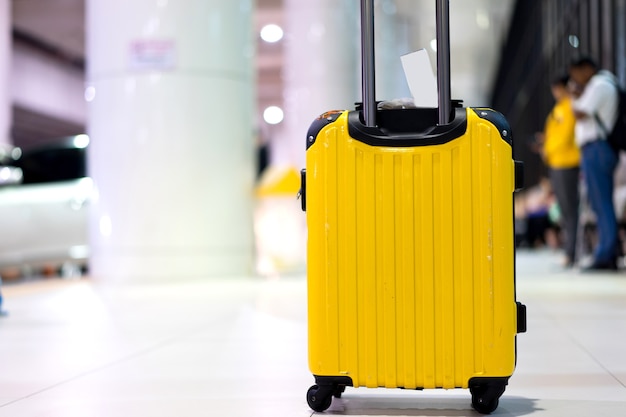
column 321, row 70
column 171, row 92
column 5, row 59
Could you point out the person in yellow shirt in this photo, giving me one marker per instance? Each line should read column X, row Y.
column 562, row 156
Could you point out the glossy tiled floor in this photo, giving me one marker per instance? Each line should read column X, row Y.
column 237, row 348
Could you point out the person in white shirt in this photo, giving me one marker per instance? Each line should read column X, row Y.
column 595, row 108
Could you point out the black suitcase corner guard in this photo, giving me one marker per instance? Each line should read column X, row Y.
column 498, row 120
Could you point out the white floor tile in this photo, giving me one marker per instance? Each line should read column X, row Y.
column 237, row 347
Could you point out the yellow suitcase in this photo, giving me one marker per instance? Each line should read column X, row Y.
column 411, row 254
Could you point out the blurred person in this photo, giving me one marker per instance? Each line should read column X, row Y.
column 537, row 202
column 562, row 156
column 262, row 149
column 595, row 108
column 3, row 312
column 521, row 219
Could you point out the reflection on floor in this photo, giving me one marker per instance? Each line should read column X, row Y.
column 237, row 348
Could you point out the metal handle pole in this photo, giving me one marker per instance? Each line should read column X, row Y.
column 443, row 60
column 367, row 62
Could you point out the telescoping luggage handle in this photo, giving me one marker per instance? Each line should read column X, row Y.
column 368, row 62
column 443, row 61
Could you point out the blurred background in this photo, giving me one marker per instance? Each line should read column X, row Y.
column 158, row 139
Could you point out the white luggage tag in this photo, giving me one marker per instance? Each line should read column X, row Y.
column 420, row 77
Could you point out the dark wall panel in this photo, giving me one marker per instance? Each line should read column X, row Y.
column 31, row 128
column 544, row 37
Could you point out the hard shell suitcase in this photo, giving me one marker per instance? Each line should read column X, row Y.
column 411, row 256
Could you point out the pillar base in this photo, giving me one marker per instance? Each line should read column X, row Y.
column 169, row 265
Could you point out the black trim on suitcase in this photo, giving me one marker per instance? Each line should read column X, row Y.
column 486, row 392
column 302, row 192
column 521, row 318
column 519, row 175
column 407, row 127
column 499, row 121
column 320, row 395
column 319, row 124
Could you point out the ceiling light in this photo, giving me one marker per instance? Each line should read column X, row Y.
column 574, row 41
column 90, row 93
column 273, row 115
column 271, row 33
column 483, row 21
column 81, row 141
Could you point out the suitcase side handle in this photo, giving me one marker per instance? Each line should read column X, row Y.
column 302, row 191
column 521, row 318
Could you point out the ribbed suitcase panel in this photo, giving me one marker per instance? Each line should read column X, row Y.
column 410, row 266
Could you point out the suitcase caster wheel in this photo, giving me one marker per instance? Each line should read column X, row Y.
column 316, row 401
column 485, row 397
column 484, row 405
column 339, row 391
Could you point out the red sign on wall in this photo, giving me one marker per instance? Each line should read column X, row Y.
column 152, row 54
